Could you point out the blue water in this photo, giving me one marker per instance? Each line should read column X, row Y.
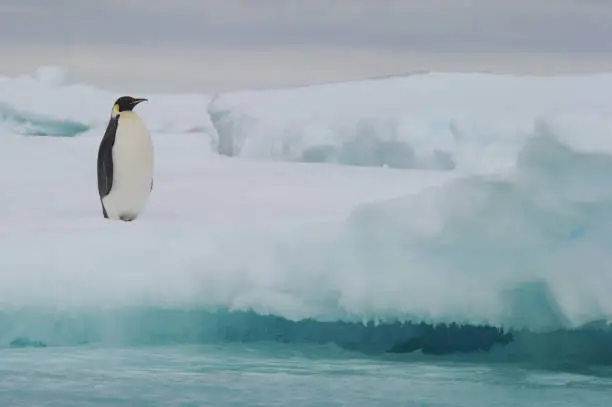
column 275, row 375
column 173, row 357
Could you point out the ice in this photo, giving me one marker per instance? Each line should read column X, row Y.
column 429, row 120
column 515, row 232
column 51, row 95
column 60, row 251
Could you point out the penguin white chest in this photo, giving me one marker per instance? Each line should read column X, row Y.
column 133, row 168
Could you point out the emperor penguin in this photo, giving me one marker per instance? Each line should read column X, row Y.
column 125, row 163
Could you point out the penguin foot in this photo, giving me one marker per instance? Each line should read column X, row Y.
column 127, row 217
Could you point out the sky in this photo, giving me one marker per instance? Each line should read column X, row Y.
column 209, row 45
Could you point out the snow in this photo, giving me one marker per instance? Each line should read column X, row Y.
column 515, row 232
column 439, row 121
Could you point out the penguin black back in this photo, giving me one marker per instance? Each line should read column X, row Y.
column 105, row 159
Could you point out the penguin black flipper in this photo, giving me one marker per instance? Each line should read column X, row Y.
column 105, row 159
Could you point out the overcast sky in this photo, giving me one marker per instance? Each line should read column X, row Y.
column 231, row 43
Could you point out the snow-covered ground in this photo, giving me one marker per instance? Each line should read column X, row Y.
column 465, row 197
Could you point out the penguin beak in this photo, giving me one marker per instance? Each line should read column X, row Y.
column 137, row 101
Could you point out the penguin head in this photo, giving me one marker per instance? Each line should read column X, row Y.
column 125, row 104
